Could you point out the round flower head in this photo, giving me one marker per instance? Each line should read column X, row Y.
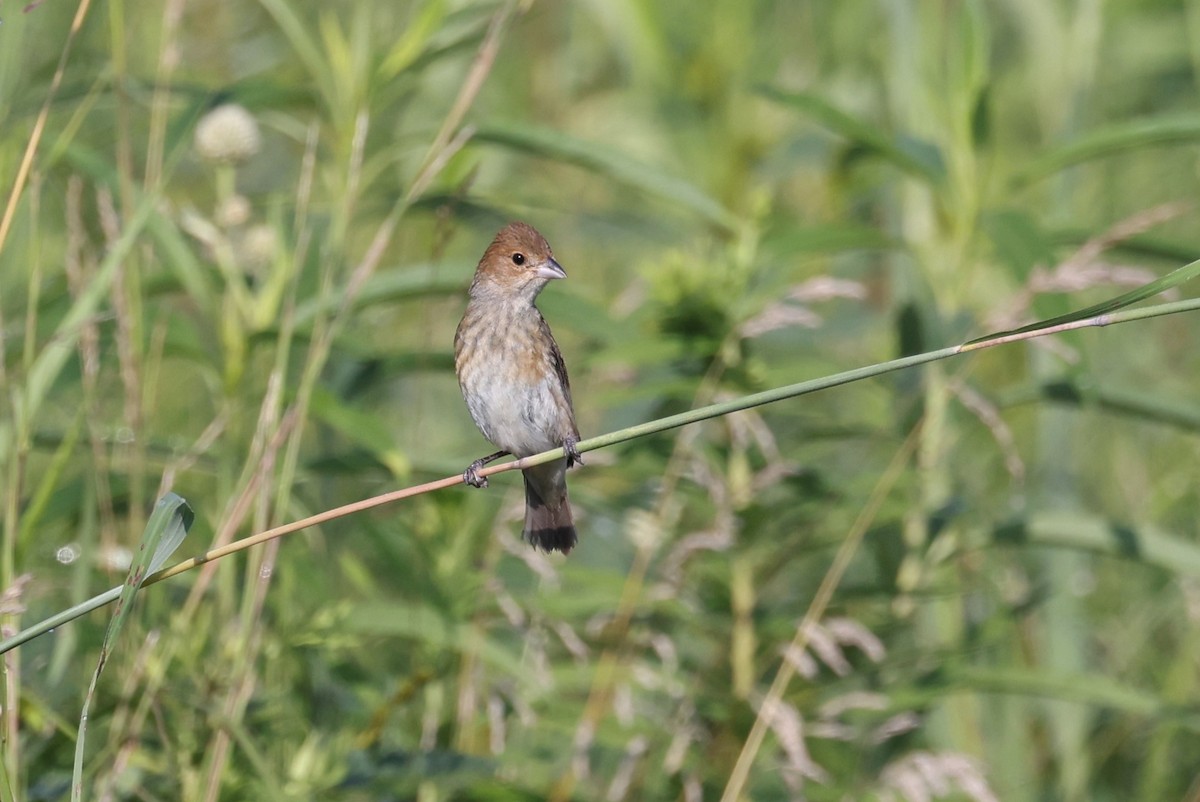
column 257, row 247
column 232, row 212
column 227, row 135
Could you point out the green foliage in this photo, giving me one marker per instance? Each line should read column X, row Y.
column 164, row 532
column 745, row 195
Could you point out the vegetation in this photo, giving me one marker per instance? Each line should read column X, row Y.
column 233, row 247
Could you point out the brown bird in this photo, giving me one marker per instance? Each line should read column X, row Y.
column 513, row 378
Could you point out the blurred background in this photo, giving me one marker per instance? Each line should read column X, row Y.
column 234, row 247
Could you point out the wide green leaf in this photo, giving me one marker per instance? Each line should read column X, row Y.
column 917, row 158
column 1114, row 139
column 1140, row 543
column 606, row 161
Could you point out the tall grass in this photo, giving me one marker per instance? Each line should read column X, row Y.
column 744, row 195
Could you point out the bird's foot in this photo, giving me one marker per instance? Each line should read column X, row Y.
column 570, row 446
column 471, row 474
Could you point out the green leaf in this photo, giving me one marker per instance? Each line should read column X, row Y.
column 832, row 238
column 1112, row 140
column 568, row 311
column 183, row 264
column 555, row 145
column 1143, row 245
column 164, row 532
column 304, row 45
column 1019, row 241
column 1144, row 544
column 1149, row 290
column 389, row 286
column 6, row 789
column 433, row 628
column 915, row 157
column 1091, row 689
column 422, row 26
column 1142, row 405
column 49, row 481
column 362, row 428
column 61, row 346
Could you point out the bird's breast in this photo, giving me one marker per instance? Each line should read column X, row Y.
column 506, row 372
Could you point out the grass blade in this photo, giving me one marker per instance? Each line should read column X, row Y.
column 1147, row 545
column 555, row 145
column 919, row 159
column 1109, row 141
column 392, row 286
column 164, row 532
column 830, row 238
column 1088, row 689
column 62, row 345
column 1169, row 281
column 1138, row 405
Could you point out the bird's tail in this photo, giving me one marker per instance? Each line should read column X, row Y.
column 548, row 521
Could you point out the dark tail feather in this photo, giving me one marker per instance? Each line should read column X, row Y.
column 548, row 528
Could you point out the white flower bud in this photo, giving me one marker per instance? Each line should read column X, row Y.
column 234, row 211
column 227, row 135
column 258, row 247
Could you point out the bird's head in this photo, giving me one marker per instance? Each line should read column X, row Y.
column 517, row 265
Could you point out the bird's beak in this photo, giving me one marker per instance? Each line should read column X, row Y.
column 550, row 269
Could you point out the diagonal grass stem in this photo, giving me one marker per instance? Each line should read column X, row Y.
column 614, row 438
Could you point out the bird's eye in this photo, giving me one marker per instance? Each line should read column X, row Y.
column 518, row 258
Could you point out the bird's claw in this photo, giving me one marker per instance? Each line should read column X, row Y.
column 570, row 446
column 471, row 474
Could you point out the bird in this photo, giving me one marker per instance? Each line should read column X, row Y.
column 514, row 380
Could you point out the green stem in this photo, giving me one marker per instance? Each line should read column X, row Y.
column 613, row 438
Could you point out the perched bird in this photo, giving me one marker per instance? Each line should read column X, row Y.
column 513, row 378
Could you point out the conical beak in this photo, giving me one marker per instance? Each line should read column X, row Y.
column 550, row 269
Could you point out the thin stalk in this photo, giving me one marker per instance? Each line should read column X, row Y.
column 168, row 60
column 273, row 502
column 35, row 138
column 603, row 441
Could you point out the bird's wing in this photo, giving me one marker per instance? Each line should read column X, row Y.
column 560, row 368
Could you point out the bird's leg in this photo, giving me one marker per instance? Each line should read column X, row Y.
column 471, row 474
column 573, row 455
